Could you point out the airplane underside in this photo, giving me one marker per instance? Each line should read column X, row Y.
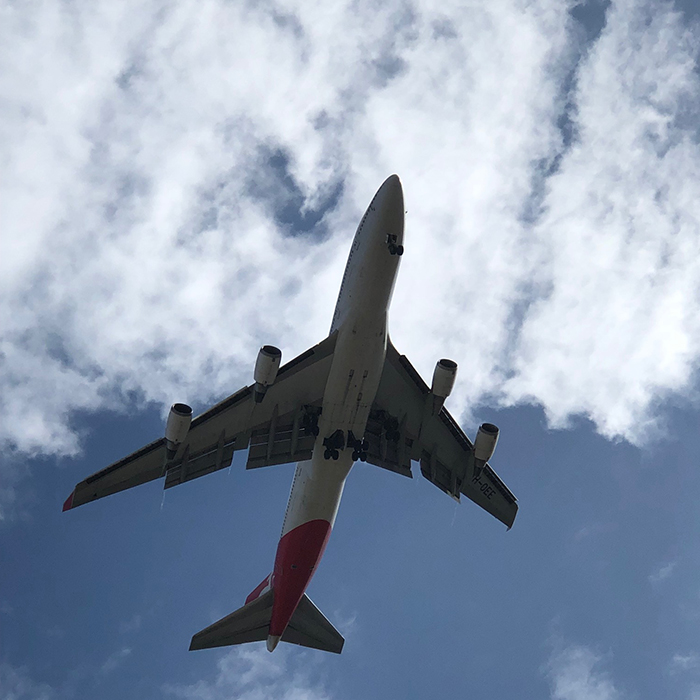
column 351, row 397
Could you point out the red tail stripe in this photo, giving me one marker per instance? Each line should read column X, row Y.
column 69, row 502
column 259, row 589
column 298, row 554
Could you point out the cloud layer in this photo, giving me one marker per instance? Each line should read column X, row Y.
column 184, row 182
column 15, row 684
column 575, row 674
column 252, row 674
column 617, row 329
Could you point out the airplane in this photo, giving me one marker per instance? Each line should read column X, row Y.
column 351, row 397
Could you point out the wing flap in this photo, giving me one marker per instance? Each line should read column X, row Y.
column 388, row 448
column 211, row 459
column 282, row 440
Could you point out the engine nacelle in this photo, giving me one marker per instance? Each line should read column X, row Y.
column 266, row 367
column 443, row 381
column 177, row 427
column 444, row 378
column 484, row 445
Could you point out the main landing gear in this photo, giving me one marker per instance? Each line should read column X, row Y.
column 336, row 442
column 394, row 248
column 333, row 444
column 391, row 428
column 359, row 447
column 309, row 424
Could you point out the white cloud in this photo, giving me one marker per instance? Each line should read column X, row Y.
column 347, row 622
column 684, row 662
column 143, row 261
column 574, row 673
column 591, row 530
column 253, row 674
column 617, row 330
column 114, row 660
column 664, row 572
column 15, row 684
column 131, row 625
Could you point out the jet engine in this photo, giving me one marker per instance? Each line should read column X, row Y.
column 444, row 378
column 443, row 381
column 266, row 367
column 484, row 445
column 177, row 427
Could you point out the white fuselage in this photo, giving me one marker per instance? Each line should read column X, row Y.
column 361, row 321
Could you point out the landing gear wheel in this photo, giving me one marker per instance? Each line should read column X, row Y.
column 399, row 250
column 333, row 443
column 327, row 454
column 310, row 424
column 363, row 456
column 392, row 249
column 355, row 455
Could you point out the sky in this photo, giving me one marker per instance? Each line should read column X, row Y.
column 180, row 185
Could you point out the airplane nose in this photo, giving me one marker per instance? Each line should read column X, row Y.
column 392, row 183
column 390, row 194
column 393, row 179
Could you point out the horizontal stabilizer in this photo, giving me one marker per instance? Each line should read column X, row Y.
column 247, row 624
column 308, row 627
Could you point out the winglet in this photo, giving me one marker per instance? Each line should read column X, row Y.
column 69, row 502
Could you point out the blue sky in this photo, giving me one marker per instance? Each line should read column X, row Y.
column 181, row 184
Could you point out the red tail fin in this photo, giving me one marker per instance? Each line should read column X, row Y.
column 263, row 587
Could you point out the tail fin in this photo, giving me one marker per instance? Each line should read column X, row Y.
column 308, row 627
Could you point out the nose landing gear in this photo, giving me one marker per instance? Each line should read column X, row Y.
column 394, row 248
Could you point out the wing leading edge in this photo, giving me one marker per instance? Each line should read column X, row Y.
column 276, row 430
column 404, row 427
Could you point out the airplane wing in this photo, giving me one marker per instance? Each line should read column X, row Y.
column 275, row 430
column 402, row 427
